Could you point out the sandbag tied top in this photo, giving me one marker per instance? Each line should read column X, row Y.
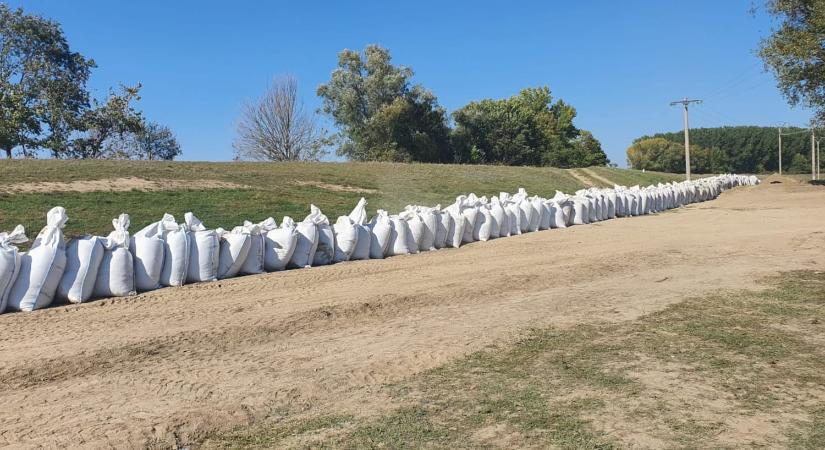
column 308, row 237
column 116, row 276
column 42, row 266
column 325, row 250
column 501, row 227
column 234, row 248
column 254, row 263
column 380, row 233
column 176, row 249
column 346, row 238
column 204, row 252
column 147, row 247
column 282, row 243
column 454, row 214
column 469, row 209
column 482, row 229
column 9, row 261
column 358, row 216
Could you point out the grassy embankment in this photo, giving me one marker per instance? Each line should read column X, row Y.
column 268, row 189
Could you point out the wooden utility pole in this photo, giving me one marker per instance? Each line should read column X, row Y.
column 685, row 102
column 813, row 155
column 780, row 150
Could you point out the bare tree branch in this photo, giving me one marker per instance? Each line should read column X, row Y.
column 277, row 128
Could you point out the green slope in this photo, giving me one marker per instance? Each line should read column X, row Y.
column 270, row 189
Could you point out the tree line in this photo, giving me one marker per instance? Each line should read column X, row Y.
column 381, row 115
column 45, row 105
column 738, row 149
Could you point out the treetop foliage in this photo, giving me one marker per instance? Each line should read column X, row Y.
column 739, row 149
column 44, row 101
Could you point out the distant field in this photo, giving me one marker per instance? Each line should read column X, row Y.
column 225, row 194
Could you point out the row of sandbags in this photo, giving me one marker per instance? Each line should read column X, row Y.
column 167, row 253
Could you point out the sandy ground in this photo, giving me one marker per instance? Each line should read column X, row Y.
column 173, row 364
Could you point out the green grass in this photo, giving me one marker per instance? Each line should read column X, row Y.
column 275, row 189
column 680, row 378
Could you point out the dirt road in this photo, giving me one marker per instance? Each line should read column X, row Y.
column 174, row 364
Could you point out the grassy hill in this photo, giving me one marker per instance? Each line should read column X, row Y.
column 255, row 191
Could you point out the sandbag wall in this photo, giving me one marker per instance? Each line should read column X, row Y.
column 167, row 253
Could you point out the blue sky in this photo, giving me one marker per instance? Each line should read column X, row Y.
column 618, row 62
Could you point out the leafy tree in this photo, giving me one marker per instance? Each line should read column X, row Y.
column 526, row 129
column 799, row 164
column 151, row 142
column 105, row 121
column 795, row 52
column 381, row 115
column 42, row 83
column 657, row 154
column 741, row 149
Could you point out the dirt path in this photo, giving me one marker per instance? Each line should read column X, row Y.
column 115, row 185
column 580, row 177
column 171, row 365
column 598, row 177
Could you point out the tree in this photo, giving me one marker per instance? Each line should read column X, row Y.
column 380, row 114
column 657, row 154
column 526, row 129
column 109, row 120
column 795, row 52
column 42, row 83
column 799, row 164
column 740, row 149
column 277, row 128
column 151, row 142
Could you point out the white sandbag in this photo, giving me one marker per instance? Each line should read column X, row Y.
column 457, row 222
column 204, row 253
column 281, row 244
column 380, row 234
column 417, row 229
column 9, row 261
column 557, row 218
column 362, row 243
column 147, row 248
column 176, row 249
column 535, row 218
column 501, row 225
column 484, row 224
column 41, row 267
column 83, row 257
column 307, row 240
column 430, row 218
column 581, row 213
column 514, row 217
column 116, row 276
column 400, row 236
column 442, row 229
column 234, row 249
column 254, row 262
column 546, row 215
column 346, row 238
column 363, row 237
column 611, row 204
column 592, row 209
column 469, row 209
column 325, row 249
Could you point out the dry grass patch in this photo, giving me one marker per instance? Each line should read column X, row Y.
column 729, row 370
